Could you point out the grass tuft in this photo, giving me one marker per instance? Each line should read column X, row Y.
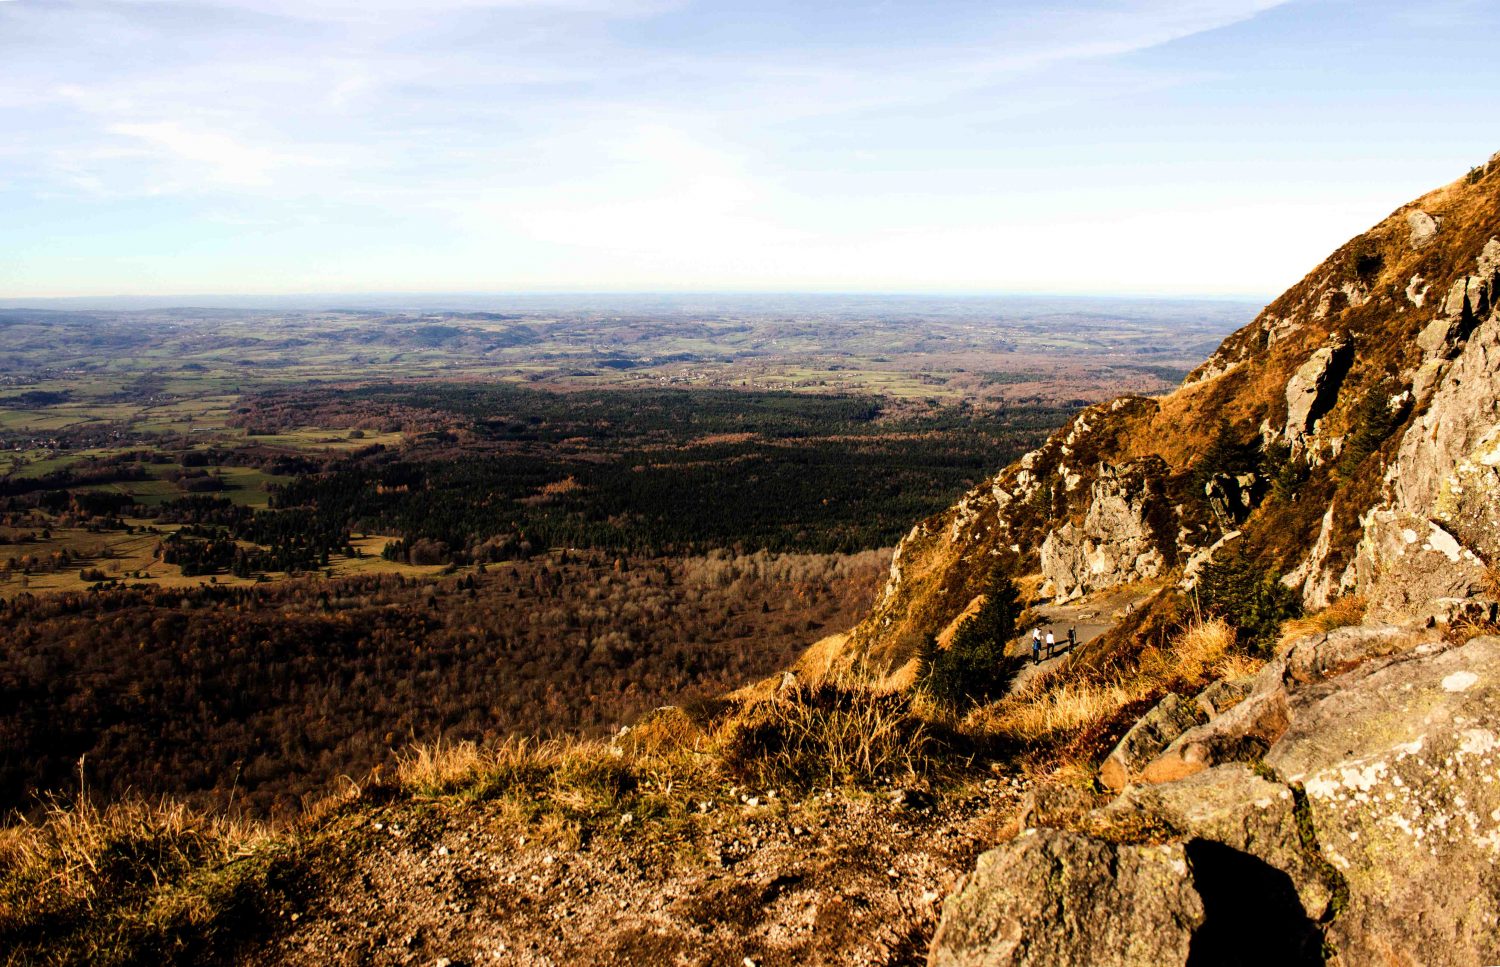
column 127, row 882
column 835, row 735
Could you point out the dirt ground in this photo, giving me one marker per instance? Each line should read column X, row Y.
column 836, row 878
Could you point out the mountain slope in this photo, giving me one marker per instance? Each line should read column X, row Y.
column 1347, row 410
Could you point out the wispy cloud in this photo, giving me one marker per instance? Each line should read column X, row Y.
column 617, row 139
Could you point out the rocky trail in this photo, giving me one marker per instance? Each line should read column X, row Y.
column 1089, row 618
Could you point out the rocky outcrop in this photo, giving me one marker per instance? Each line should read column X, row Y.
column 1052, row 897
column 1399, row 762
column 1230, row 806
column 1171, row 717
column 1369, row 823
column 1314, row 387
column 1313, row 578
column 1116, row 543
column 1431, row 541
column 1423, row 227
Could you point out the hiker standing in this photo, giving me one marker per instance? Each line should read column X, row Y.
column 1036, row 644
column 1051, row 643
column 1072, row 637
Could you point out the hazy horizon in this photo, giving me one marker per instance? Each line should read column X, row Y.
column 676, row 301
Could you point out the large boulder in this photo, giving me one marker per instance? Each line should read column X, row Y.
column 1314, row 387
column 1234, row 808
column 1051, row 897
column 1116, row 543
column 1400, row 760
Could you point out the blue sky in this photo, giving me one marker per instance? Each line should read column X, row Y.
column 1198, row 147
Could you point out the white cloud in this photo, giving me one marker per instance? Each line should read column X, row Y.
column 214, row 155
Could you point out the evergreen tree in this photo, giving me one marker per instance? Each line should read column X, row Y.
column 974, row 667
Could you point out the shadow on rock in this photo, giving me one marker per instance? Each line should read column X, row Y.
column 1251, row 912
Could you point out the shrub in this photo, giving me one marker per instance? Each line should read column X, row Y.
column 1226, row 453
column 974, row 666
column 1374, row 419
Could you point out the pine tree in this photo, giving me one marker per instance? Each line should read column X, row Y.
column 974, row 666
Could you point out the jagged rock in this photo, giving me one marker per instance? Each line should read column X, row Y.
column 1399, row 760
column 1242, row 734
column 1312, row 578
column 1223, row 695
column 1417, row 296
column 1405, row 562
column 1115, row 544
column 1229, row 805
column 1232, row 496
column 1448, row 464
column 1050, row 897
column 1168, row 719
column 1324, row 655
column 1423, row 227
column 1311, row 391
column 1057, row 806
column 1198, row 559
column 1442, row 336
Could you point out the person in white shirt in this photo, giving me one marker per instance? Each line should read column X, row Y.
column 1051, row 642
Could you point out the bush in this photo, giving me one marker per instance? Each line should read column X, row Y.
column 974, row 666
column 1250, row 598
column 1374, row 420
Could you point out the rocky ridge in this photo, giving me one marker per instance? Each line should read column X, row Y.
column 1378, row 399
column 1342, row 805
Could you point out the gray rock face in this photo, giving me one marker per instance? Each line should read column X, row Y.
column 1312, row 576
column 1442, row 336
column 1400, row 760
column 1321, row 656
column 1115, row 544
column 1051, row 897
column 1438, row 529
column 1423, row 227
column 1229, row 805
column 1171, row 717
column 1314, row 387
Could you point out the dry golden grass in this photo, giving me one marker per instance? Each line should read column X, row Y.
column 133, row 870
column 1062, row 702
column 1348, row 610
column 1059, row 707
column 831, row 734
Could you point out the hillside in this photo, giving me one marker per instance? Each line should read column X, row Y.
column 1281, row 748
column 1304, row 443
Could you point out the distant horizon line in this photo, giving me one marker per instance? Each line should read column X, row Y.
column 245, row 300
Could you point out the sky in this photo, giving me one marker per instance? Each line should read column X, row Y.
column 1143, row 147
